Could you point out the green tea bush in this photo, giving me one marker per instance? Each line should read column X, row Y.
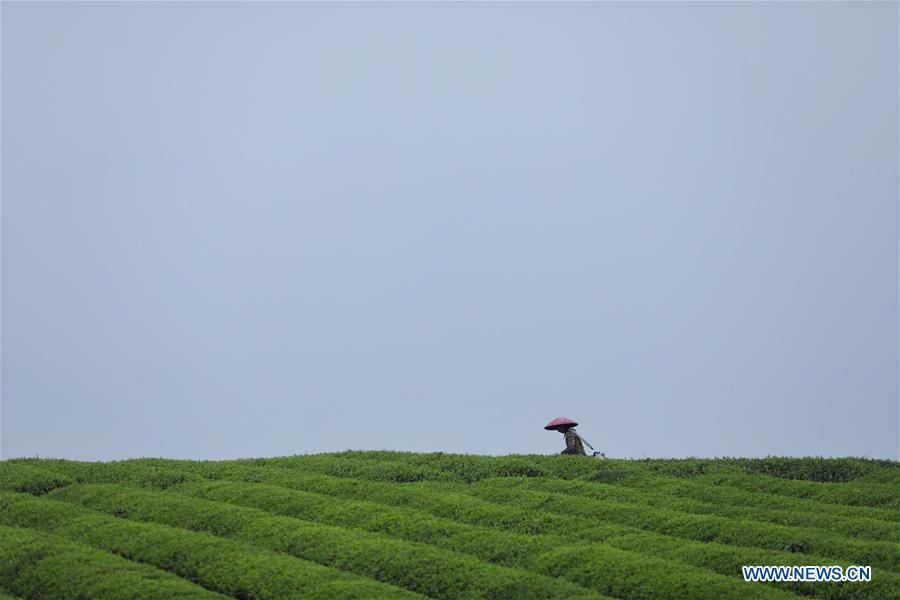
column 227, row 566
column 703, row 528
column 492, row 545
column 540, row 513
column 219, row 470
column 698, row 489
column 504, row 547
column 398, row 472
column 140, row 472
column 808, row 468
column 627, row 578
column 468, row 509
column 38, row 565
column 812, row 468
column 729, row 560
column 30, row 480
column 876, row 495
column 854, row 527
column 628, row 528
column 406, row 467
column 417, row 567
column 882, row 475
column 408, row 564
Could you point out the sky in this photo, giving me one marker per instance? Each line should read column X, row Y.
column 261, row 229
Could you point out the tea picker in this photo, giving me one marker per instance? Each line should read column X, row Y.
column 574, row 441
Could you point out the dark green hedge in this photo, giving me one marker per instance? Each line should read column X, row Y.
column 713, row 493
column 851, row 527
column 29, row 479
column 703, row 528
column 46, row 567
column 550, row 517
column 508, row 548
column 417, row 567
column 534, row 512
column 227, row 566
column 876, row 495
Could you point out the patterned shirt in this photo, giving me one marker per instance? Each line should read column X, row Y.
column 573, row 443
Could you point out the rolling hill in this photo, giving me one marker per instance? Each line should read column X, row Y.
column 404, row 525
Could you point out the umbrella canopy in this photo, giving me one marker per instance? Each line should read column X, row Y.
column 560, row 422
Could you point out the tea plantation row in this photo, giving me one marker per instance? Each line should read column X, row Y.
column 392, row 524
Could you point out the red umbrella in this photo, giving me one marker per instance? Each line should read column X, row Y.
column 560, row 422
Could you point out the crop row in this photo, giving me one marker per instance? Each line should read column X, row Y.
column 702, row 528
column 733, row 496
column 857, row 473
column 419, row 567
column 749, row 475
column 528, row 512
column 689, row 526
column 403, row 468
column 877, row 495
column 471, row 469
column 812, row 468
column 463, row 469
column 808, row 468
column 290, row 472
column 515, row 549
column 38, row 474
column 613, row 571
column 801, row 512
column 160, row 473
column 226, row 566
column 15, row 477
column 859, row 527
column 879, row 500
column 38, row 565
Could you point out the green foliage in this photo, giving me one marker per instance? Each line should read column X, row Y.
column 446, row 501
column 492, row 545
column 532, row 518
column 39, row 565
column 876, row 495
column 30, row 480
column 461, row 526
column 472, row 468
column 649, row 484
column 812, row 468
column 130, row 472
column 417, row 567
column 508, row 548
column 728, row 504
column 705, row 528
column 752, row 473
column 222, row 565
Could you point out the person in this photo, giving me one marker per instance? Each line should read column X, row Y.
column 566, row 426
column 573, row 442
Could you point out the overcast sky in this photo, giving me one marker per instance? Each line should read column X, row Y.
column 256, row 229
